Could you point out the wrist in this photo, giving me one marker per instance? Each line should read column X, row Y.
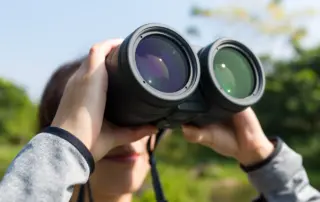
column 73, row 130
column 278, row 144
column 257, row 154
column 73, row 140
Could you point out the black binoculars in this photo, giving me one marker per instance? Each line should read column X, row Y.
column 156, row 77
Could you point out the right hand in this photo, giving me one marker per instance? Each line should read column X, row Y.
column 82, row 106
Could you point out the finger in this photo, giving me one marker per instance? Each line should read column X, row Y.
column 219, row 134
column 192, row 134
column 99, row 51
column 210, row 135
column 197, row 135
column 141, row 132
column 127, row 135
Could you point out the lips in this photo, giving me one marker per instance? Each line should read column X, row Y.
column 123, row 154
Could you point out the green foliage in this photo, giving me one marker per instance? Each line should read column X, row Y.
column 17, row 114
column 290, row 105
column 268, row 19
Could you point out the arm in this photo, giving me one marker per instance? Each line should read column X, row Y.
column 47, row 168
column 282, row 177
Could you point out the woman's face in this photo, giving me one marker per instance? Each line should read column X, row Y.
column 122, row 170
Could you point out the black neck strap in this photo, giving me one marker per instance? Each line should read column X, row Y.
column 154, row 172
column 82, row 193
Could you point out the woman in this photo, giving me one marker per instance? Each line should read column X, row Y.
column 76, row 139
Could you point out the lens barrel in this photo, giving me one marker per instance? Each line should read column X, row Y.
column 150, row 74
column 157, row 77
column 232, row 79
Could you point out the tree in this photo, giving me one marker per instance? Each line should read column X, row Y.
column 17, row 113
column 293, row 91
column 268, row 19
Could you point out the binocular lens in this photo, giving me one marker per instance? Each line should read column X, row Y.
column 168, row 82
column 234, row 73
column 162, row 63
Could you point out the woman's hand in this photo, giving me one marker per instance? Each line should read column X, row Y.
column 82, row 106
column 242, row 139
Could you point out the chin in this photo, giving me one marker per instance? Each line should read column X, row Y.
column 116, row 178
column 123, row 187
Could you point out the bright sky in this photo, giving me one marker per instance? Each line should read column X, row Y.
column 36, row 36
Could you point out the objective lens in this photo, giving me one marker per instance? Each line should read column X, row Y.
column 234, row 73
column 162, row 64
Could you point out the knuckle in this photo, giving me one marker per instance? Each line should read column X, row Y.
column 94, row 49
column 198, row 139
column 194, row 138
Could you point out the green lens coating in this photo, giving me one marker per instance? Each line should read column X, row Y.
column 234, row 73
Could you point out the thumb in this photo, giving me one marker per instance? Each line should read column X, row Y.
column 246, row 120
column 247, row 126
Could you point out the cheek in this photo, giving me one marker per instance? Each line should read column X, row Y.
column 142, row 167
column 145, row 142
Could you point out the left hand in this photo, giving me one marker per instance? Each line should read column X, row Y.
column 242, row 139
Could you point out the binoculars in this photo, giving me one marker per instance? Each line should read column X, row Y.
column 156, row 77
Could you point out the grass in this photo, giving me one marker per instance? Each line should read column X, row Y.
column 208, row 182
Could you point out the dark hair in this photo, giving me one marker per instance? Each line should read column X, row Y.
column 53, row 92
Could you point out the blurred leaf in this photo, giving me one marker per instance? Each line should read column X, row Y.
column 193, row 31
column 298, row 34
column 306, row 76
column 316, row 95
column 195, row 11
column 241, row 13
column 292, row 104
column 276, row 2
column 276, row 11
column 272, row 20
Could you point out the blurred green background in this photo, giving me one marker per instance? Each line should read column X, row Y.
column 290, row 109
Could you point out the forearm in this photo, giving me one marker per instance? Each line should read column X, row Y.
column 47, row 168
column 282, row 177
